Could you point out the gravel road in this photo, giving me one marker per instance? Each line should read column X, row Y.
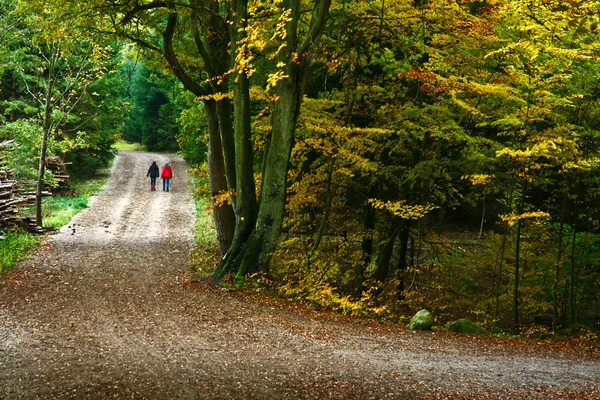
column 104, row 310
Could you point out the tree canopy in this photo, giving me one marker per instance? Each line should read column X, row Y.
column 372, row 156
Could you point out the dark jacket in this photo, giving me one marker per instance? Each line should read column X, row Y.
column 153, row 171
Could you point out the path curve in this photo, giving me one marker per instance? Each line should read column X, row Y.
column 103, row 311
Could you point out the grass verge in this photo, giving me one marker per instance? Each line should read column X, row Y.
column 56, row 211
column 14, row 247
column 123, row 145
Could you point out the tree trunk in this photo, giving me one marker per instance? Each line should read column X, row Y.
column 385, row 254
column 572, row 283
column 245, row 202
column 216, row 56
column 218, row 115
column 255, row 253
column 223, row 215
column 46, row 127
column 402, row 264
column 499, row 279
column 366, row 245
column 520, row 208
column 482, row 220
column 325, row 219
column 274, row 184
column 224, row 113
column 557, row 268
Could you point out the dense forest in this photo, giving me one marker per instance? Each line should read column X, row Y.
column 374, row 157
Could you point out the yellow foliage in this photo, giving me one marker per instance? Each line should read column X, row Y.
column 222, row 198
column 479, row 179
column 215, row 96
column 403, row 210
column 275, row 77
column 511, row 219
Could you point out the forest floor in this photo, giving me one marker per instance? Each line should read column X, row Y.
column 105, row 309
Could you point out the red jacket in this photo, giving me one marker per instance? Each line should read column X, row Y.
column 166, row 172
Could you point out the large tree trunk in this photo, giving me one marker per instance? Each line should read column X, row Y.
column 218, row 152
column 216, row 56
column 223, row 215
column 245, row 202
column 255, row 253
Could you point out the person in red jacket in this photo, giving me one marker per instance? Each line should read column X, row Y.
column 166, row 174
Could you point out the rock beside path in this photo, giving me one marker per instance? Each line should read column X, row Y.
column 421, row 321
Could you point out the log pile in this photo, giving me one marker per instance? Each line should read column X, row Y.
column 59, row 170
column 12, row 196
column 8, row 204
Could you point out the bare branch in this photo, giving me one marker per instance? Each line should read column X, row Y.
column 317, row 26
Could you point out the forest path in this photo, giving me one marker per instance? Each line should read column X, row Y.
column 102, row 311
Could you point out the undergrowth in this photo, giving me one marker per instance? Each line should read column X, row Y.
column 205, row 254
column 14, row 247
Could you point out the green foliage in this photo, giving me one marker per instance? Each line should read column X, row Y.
column 22, row 159
column 14, row 247
column 154, row 109
column 192, row 137
column 86, row 109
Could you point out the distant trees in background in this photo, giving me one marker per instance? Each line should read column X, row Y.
column 155, row 105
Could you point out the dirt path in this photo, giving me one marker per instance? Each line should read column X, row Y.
column 100, row 312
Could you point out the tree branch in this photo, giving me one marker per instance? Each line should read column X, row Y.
column 171, row 58
column 142, row 7
column 317, row 26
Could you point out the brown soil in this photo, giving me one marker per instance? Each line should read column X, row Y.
column 104, row 310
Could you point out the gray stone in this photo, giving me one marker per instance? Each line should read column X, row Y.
column 421, row 321
column 465, row 326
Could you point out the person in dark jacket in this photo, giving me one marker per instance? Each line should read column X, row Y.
column 166, row 174
column 153, row 174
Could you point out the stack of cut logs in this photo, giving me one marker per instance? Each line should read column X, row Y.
column 58, row 169
column 11, row 196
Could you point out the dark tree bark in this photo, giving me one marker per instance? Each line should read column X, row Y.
column 215, row 53
column 386, row 251
column 223, row 215
column 403, row 252
column 255, row 253
column 366, row 246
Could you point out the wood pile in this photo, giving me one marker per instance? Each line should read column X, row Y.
column 8, row 203
column 12, row 196
column 59, row 170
